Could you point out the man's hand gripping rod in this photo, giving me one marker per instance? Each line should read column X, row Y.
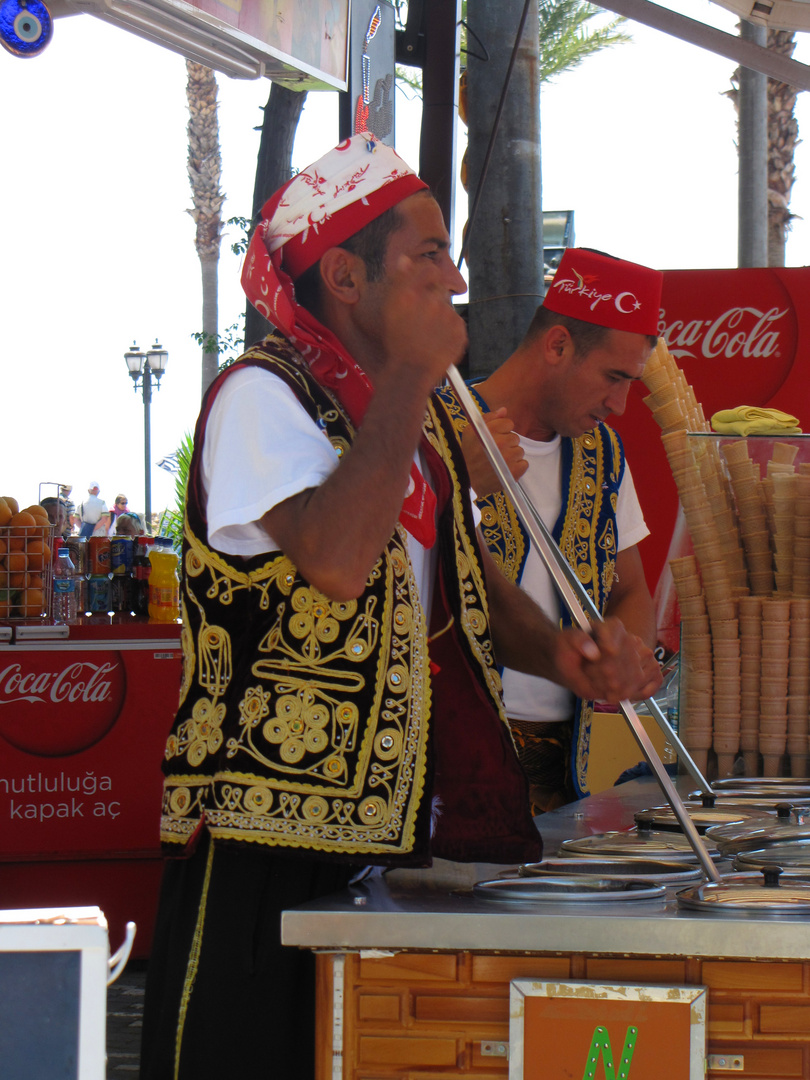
column 577, row 600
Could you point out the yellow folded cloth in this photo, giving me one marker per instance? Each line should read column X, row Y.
column 750, row 420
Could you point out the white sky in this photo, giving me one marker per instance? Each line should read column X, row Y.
column 97, row 248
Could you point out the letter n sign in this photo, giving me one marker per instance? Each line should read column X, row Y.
column 600, row 1045
column 562, row 1030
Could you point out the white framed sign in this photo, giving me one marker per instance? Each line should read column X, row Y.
column 591, row 1031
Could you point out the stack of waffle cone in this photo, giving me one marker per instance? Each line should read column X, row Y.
column 801, row 532
column 751, row 541
column 798, row 725
column 696, row 679
column 750, row 680
column 773, row 692
column 780, row 498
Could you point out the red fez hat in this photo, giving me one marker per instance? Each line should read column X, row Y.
column 599, row 289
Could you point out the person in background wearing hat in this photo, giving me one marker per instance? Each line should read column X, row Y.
column 340, row 704
column 70, row 506
column 546, row 406
column 93, row 511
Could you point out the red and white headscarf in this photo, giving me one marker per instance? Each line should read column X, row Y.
column 320, row 208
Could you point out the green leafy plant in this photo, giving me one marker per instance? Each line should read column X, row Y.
column 228, row 345
column 240, row 246
column 171, row 520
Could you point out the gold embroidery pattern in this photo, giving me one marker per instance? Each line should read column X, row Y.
column 323, row 741
column 318, row 783
column 583, row 736
column 474, row 618
column 500, row 525
column 586, row 496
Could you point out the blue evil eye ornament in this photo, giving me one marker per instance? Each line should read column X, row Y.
column 26, row 26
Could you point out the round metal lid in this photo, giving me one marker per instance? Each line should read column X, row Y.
column 615, row 866
column 761, row 781
column 673, row 847
column 757, row 834
column 758, row 793
column 762, row 893
column 789, row 854
column 703, row 817
column 566, row 888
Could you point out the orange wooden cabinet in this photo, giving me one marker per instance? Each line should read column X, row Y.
column 430, row 1016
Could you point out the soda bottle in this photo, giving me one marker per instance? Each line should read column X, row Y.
column 164, row 582
column 65, row 601
column 141, row 568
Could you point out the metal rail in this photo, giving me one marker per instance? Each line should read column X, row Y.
column 577, row 601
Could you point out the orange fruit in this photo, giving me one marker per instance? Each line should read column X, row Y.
column 15, row 561
column 3, row 546
column 16, row 543
column 20, row 523
column 36, row 581
column 5, row 603
column 32, row 602
column 37, row 511
column 5, row 512
column 36, row 552
column 13, row 505
column 18, row 580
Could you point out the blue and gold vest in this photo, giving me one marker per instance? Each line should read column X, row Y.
column 592, row 470
column 349, row 729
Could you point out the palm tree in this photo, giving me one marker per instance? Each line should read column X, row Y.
column 783, row 137
column 205, row 173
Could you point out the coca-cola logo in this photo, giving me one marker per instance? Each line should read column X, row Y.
column 54, row 704
column 735, row 340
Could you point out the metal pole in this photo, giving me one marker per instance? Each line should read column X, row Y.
column 437, row 143
column 147, row 452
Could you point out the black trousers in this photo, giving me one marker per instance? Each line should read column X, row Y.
column 224, row 998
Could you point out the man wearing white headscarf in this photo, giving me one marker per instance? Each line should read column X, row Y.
column 340, row 704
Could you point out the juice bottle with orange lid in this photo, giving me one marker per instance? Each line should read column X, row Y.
column 164, row 582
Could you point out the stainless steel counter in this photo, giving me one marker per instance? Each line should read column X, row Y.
column 376, row 915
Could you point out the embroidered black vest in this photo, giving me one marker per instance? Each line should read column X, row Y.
column 315, row 725
column 585, row 529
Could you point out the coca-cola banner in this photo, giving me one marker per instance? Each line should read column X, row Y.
column 742, row 337
column 81, row 742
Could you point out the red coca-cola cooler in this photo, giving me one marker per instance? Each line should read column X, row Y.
column 84, row 714
column 741, row 337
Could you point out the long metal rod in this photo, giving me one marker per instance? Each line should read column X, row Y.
column 572, row 601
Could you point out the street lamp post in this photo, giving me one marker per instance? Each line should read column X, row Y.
column 142, row 366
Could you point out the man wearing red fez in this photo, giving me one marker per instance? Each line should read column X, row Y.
column 547, row 405
column 340, row 705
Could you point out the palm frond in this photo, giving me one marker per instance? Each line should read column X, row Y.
column 567, row 36
column 171, row 521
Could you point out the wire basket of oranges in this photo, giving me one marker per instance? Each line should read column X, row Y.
column 26, row 561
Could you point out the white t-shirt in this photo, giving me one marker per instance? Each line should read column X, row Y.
column 261, row 447
column 526, row 696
